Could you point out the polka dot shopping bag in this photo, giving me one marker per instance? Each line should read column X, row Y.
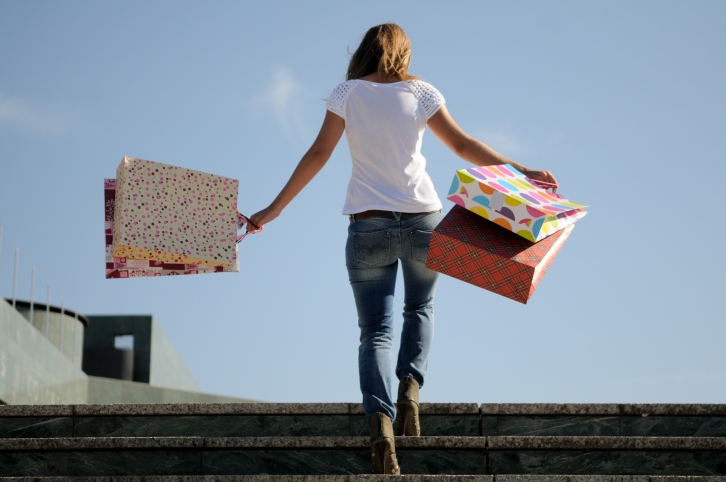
column 170, row 220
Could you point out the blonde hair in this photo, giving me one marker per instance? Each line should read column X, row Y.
column 384, row 49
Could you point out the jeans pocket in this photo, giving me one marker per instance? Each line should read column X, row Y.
column 368, row 249
column 420, row 239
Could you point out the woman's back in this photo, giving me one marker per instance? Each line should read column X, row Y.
column 384, row 125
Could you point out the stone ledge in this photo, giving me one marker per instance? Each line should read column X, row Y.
column 99, row 443
column 304, row 443
column 260, row 409
column 606, row 443
column 549, row 409
column 448, row 409
column 470, row 443
column 613, row 409
column 374, row 478
column 609, row 478
column 215, row 409
column 36, row 410
column 516, row 443
column 219, row 409
column 673, row 409
column 260, row 478
column 253, row 408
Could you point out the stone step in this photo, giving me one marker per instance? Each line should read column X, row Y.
column 375, row 478
column 347, row 419
column 116, row 456
column 485, row 442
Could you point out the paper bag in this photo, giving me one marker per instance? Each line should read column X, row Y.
column 174, row 215
column 507, row 197
column 138, row 268
column 482, row 253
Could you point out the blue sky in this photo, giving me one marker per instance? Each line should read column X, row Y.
column 623, row 101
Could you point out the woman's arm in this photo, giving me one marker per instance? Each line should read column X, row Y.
column 310, row 164
column 472, row 150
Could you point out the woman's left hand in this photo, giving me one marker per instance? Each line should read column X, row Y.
column 545, row 176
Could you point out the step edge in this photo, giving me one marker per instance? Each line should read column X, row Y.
column 427, row 408
column 492, row 443
column 372, row 478
column 612, row 409
column 191, row 409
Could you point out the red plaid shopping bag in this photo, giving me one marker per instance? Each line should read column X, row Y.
column 473, row 249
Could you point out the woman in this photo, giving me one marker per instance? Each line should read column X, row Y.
column 393, row 208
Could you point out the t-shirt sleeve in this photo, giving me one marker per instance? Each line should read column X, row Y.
column 336, row 101
column 430, row 98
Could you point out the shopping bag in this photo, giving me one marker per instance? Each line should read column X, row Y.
column 174, row 215
column 480, row 252
column 507, row 197
column 138, row 268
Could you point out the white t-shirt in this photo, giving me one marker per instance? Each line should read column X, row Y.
column 384, row 125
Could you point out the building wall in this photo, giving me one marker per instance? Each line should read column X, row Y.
column 107, row 390
column 167, row 367
column 64, row 331
column 156, row 361
column 102, row 330
column 33, row 370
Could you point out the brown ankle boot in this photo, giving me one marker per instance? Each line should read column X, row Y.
column 383, row 447
column 407, row 419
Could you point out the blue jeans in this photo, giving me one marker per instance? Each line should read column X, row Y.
column 372, row 253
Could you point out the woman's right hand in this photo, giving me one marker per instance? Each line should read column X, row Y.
column 259, row 219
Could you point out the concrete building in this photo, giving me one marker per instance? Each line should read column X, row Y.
column 50, row 355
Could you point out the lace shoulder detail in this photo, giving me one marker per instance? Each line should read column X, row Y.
column 336, row 101
column 430, row 98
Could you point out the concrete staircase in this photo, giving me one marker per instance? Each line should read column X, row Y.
column 260, row 442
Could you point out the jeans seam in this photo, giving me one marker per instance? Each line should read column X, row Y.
column 414, row 257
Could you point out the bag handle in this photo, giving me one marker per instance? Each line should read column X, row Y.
column 545, row 185
column 243, row 220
